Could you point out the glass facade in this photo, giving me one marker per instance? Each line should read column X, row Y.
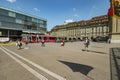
column 19, row 21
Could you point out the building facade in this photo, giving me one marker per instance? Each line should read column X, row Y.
column 15, row 23
column 97, row 26
column 114, row 20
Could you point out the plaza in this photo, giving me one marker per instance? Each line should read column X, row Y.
column 55, row 62
column 21, row 22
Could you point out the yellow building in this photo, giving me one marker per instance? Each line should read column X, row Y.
column 97, row 26
column 114, row 21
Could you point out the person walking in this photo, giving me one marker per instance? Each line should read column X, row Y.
column 43, row 43
column 26, row 41
column 62, row 42
column 109, row 40
column 19, row 44
column 86, row 43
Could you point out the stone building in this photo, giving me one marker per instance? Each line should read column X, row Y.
column 114, row 20
column 97, row 26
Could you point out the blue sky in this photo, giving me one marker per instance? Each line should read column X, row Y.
column 57, row 11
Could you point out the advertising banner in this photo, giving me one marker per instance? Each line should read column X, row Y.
column 4, row 39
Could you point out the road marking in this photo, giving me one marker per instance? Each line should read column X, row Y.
column 35, row 73
column 37, row 66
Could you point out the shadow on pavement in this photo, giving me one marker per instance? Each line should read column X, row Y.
column 84, row 69
column 94, row 51
column 96, row 46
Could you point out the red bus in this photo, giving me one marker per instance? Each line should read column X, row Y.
column 35, row 38
column 48, row 38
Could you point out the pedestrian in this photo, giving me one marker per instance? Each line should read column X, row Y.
column 37, row 38
column 26, row 41
column 109, row 40
column 86, row 43
column 43, row 42
column 62, row 42
column 19, row 44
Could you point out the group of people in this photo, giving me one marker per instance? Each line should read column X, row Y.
column 19, row 43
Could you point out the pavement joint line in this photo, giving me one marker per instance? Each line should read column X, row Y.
column 37, row 66
column 35, row 73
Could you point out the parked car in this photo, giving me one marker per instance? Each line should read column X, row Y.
column 100, row 39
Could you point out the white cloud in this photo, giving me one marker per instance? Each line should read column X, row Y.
column 36, row 9
column 68, row 21
column 11, row 1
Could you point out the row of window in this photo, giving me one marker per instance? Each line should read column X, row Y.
column 10, row 25
column 81, row 31
column 104, row 29
column 20, row 16
column 19, row 21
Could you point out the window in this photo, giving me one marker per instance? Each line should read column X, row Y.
column 34, row 19
column 38, row 20
column 0, row 23
column 19, row 21
column 41, row 21
column 3, row 12
column 0, row 33
column 29, row 19
column 12, row 14
column 7, row 19
column 20, row 16
column 41, row 25
column 12, row 26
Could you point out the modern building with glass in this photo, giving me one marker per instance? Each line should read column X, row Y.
column 14, row 24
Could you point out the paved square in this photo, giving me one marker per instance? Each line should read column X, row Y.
column 57, row 61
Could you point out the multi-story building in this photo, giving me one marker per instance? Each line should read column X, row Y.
column 14, row 23
column 97, row 26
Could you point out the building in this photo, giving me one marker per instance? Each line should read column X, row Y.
column 114, row 20
column 97, row 26
column 14, row 24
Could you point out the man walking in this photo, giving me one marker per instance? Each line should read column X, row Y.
column 86, row 43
